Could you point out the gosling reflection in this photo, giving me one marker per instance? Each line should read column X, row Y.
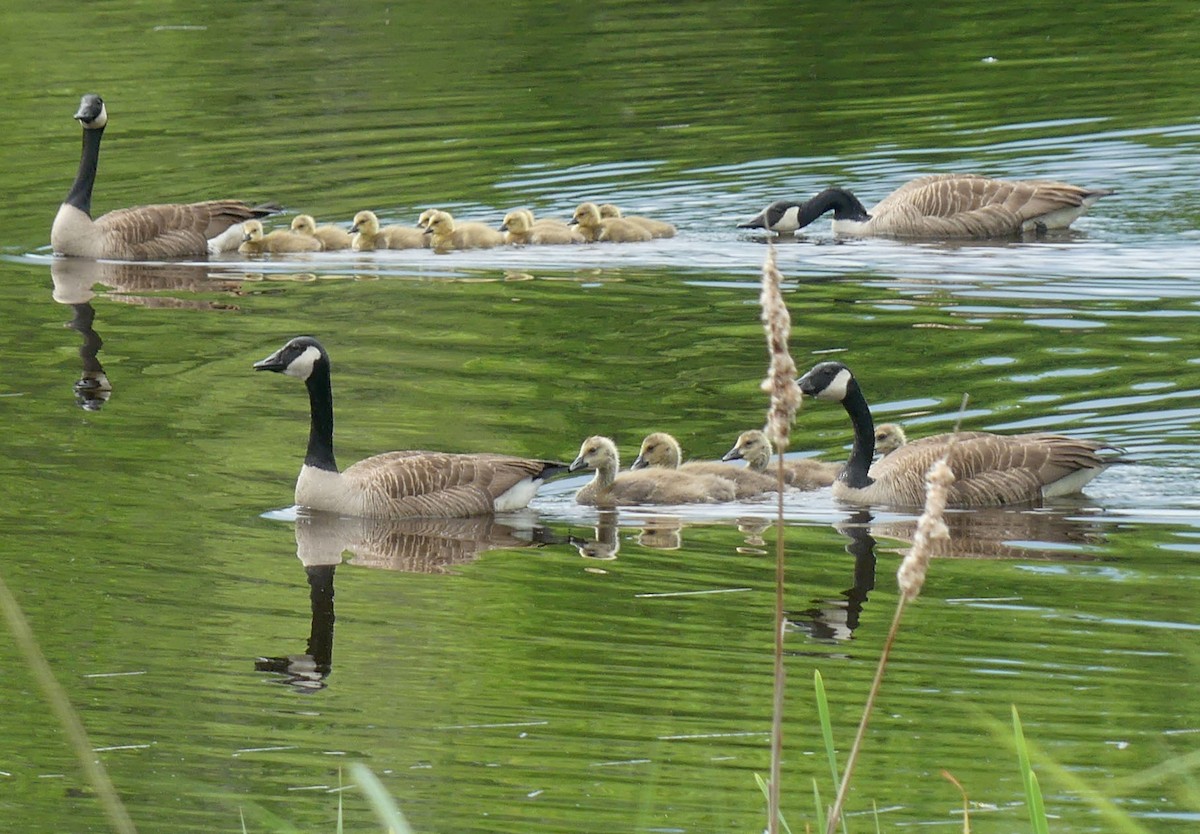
column 606, row 543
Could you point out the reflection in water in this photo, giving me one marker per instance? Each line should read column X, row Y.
column 415, row 545
column 997, row 533
column 606, row 543
column 836, row 618
column 92, row 389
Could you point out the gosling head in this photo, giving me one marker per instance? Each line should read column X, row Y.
column 517, row 221
column 609, row 210
column 92, row 113
column 595, row 453
column 365, row 222
column 658, row 449
column 586, row 215
column 252, row 230
column 426, row 216
column 440, row 223
column 888, row 438
column 304, row 224
column 297, row 358
column 752, row 447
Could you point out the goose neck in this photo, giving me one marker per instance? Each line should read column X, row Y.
column 854, row 474
column 80, row 195
column 320, row 433
column 845, row 206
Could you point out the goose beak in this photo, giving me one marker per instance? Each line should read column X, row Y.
column 639, row 463
column 806, row 386
column 733, row 454
column 274, row 362
column 758, row 221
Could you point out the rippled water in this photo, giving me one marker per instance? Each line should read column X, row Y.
column 563, row 669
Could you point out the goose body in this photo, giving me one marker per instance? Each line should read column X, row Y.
column 404, row 484
column 255, row 242
column 595, row 228
column 175, row 230
column 939, row 207
column 755, row 448
column 610, row 488
column 989, row 469
column 331, row 238
column 446, row 234
column 660, row 449
column 521, row 228
column 368, row 235
column 656, row 228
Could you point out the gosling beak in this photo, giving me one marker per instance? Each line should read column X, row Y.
column 576, row 464
column 639, row 463
column 733, row 454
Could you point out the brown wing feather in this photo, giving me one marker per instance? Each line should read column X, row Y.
column 171, row 230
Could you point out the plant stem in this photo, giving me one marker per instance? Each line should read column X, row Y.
column 777, row 703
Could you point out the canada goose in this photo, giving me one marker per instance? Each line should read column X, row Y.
column 990, row 469
column 888, row 438
column 940, row 206
column 593, row 227
column 141, row 233
column 656, row 228
column 280, row 240
column 445, row 234
column 645, row 486
column 804, row 473
column 367, row 235
column 520, row 227
column 397, row 484
column 332, row 238
column 661, row 449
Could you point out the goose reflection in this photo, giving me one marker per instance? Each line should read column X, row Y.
column 834, row 619
column 414, row 545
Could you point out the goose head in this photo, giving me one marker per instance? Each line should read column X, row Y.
column 304, row 224
column 752, row 447
column 827, row 381
column 91, row 113
column 518, row 221
column 365, row 222
column 658, row 449
column 586, row 215
column 252, row 230
column 297, row 358
column 780, row 216
column 598, row 453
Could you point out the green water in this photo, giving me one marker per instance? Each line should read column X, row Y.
column 530, row 689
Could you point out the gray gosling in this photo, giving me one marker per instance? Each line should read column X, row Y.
column 939, row 207
column 255, row 242
column 369, row 236
column 660, row 449
column 406, row 484
column 610, row 488
column 595, row 228
column 332, row 238
column 803, row 473
column 176, row 230
column 990, row 469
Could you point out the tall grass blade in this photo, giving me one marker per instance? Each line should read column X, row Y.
column 826, row 731
column 1033, row 794
column 381, row 801
column 766, row 792
column 818, row 806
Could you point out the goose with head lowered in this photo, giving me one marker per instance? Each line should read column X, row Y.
column 940, row 207
column 990, row 470
column 177, row 230
column 408, row 484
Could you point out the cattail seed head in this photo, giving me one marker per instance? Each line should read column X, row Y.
column 931, row 527
column 780, row 383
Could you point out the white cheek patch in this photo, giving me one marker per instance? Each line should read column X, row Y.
column 302, row 365
column 101, row 120
column 790, row 221
column 837, row 387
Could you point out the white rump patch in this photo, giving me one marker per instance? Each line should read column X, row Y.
column 302, row 365
column 517, row 496
column 228, row 241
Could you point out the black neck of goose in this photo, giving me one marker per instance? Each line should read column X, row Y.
column 320, row 432
column 854, row 474
column 80, row 195
column 845, row 206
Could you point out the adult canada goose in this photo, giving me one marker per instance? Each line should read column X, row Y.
column 520, row 227
column 593, row 227
column 656, row 228
column 175, row 230
column 662, row 450
column 367, row 235
column 888, row 438
column 645, row 486
column 940, row 206
column 332, row 238
column 990, row 469
column 803, row 473
column 279, row 240
column 446, row 234
column 397, row 484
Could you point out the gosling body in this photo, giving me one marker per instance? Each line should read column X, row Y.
column 611, row 488
column 595, row 228
column 755, row 448
column 660, row 449
column 256, row 242
column 368, row 235
column 331, row 238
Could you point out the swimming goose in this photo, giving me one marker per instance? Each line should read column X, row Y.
column 175, row 230
column 520, row 227
column 645, row 486
column 940, row 206
column 368, row 236
column 255, row 242
column 656, row 228
column 660, row 449
column 888, row 438
column 446, row 234
column 593, row 227
column 397, row 484
column 991, row 469
column 332, row 238
column 803, row 473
